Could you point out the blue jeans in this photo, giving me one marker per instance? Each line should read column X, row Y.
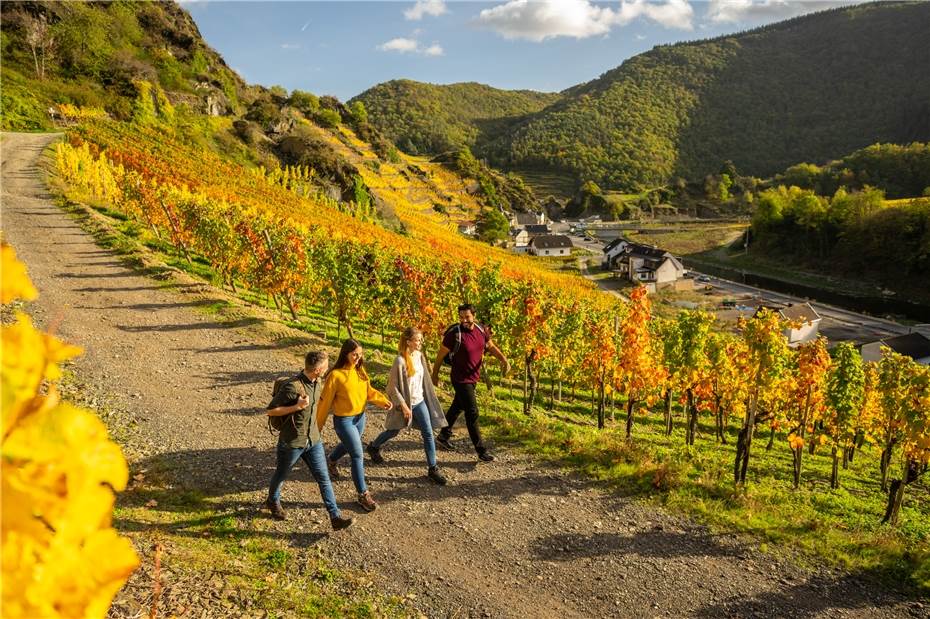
column 350, row 430
column 421, row 415
column 314, row 456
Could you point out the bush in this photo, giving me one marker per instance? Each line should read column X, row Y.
column 327, row 118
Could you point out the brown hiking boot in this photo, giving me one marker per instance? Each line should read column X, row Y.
column 340, row 522
column 436, row 476
column 277, row 512
column 367, row 503
column 375, row 454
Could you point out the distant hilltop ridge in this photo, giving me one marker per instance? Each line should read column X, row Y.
column 812, row 88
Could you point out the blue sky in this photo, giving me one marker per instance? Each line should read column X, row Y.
column 343, row 48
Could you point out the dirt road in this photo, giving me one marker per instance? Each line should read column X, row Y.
column 512, row 538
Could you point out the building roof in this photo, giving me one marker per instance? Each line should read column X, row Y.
column 526, row 218
column 614, row 243
column 913, row 345
column 646, row 251
column 551, row 241
column 537, row 228
column 800, row 312
column 653, row 257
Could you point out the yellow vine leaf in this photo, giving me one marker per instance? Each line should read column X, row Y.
column 14, row 282
column 60, row 555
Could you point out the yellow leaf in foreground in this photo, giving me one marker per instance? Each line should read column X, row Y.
column 14, row 282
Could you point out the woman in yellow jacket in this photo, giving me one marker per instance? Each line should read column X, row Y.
column 346, row 391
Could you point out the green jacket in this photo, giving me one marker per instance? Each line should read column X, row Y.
column 298, row 429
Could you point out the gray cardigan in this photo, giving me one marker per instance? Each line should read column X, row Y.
column 398, row 390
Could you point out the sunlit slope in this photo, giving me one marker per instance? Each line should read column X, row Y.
column 410, row 188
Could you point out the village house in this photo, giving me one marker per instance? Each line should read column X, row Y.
column 805, row 322
column 518, row 220
column 550, row 245
column 468, row 228
column 520, row 240
column 913, row 345
column 612, row 250
column 520, row 237
column 651, row 266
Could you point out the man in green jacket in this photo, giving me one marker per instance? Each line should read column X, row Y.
column 300, row 437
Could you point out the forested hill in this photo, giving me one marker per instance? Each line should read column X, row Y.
column 808, row 89
column 432, row 118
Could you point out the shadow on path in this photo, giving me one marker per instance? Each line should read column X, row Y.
column 815, row 597
column 664, row 544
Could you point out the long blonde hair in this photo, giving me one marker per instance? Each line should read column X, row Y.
column 408, row 334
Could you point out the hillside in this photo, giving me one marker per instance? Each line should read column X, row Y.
column 808, row 89
column 146, row 62
column 93, row 55
column 432, row 118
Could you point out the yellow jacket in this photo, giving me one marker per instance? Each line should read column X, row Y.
column 346, row 393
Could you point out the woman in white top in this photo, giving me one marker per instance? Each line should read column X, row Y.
column 415, row 402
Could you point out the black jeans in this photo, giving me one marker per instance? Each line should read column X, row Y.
column 464, row 402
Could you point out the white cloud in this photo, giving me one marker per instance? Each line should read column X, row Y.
column 399, row 45
column 411, row 46
column 290, row 46
column 671, row 14
column 722, row 11
column 545, row 19
column 434, row 8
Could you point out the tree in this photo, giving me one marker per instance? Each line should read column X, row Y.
column 767, row 359
column 726, row 356
column 888, row 425
column 914, row 393
column 327, row 118
column 669, row 334
column 492, row 226
column 359, row 113
column 693, row 327
column 41, row 43
column 807, row 394
column 600, row 357
column 306, row 102
column 638, row 369
column 844, row 396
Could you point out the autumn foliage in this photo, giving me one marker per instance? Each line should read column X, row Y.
column 59, row 473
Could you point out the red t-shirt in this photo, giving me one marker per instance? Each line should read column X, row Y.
column 466, row 362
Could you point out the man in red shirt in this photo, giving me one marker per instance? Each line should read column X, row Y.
column 465, row 344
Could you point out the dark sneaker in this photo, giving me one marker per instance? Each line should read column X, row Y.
column 445, row 442
column 375, row 454
column 277, row 512
column 333, row 469
column 367, row 503
column 486, row 456
column 436, row 476
column 339, row 522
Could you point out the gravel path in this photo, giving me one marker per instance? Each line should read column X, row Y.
column 513, row 538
